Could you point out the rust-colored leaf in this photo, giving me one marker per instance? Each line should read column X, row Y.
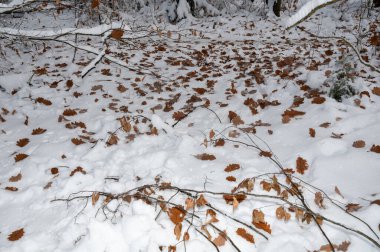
column 20, row 156
column 265, row 154
column 178, row 230
column 318, row 100
column 95, row 4
column 230, row 198
column 117, row 34
column 11, row 188
column 201, row 201
column 77, row 141
column 16, row 235
column 231, row 178
column 318, row 199
column 247, row 236
column 301, row 165
column 376, row 91
column 78, row 169
column 232, row 167
column 220, row 240
column 219, row 143
column 312, row 132
column 15, row 178
column 69, row 112
column 358, row 144
column 22, row 142
column 54, row 170
column 179, row 115
column 189, row 202
column 125, row 124
column 43, row 101
column 176, row 214
column 375, row 148
column 325, row 125
column 282, row 214
column 352, row 207
column 112, row 140
column 259, row 221
column 200, row 91
column 95, row 198
column 205, row 156
column 38, row 131
column 377, row 202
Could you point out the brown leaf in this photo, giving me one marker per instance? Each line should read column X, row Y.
column 232, row 167
column 376, row 91
column 375, row 148
column 282, row 214
column 211, row 134
column 77, row 141
column 205, row 156
column 189, row 202
column 16, row 235
column 177, row 230
column 38, row 131
column 259, row 221
column 11, row 188
column 112, row 140
column 377, row 202
column 95, row 3
column 117, row 34
column 247, row 183
column 186, row 236
column 15, row 178
column 40, row 71
column 318, row 100
column 318, row 199
column 312, row 132
column 235, row 203
column 201, row 201
column 22, row 142
column 43, row 101
column 265, row 154
column 247, row 236
column 325, row 125
column 231, row 178
column 48, row 185
column 126, row 125
column 220, row 240
column 20, row 156
column 301, row 165
column 200, row 91
column 338, row 191
column 69, row 112
column 176, row 214
column 359, row 144
column 230, row 198
column 78, row 169
column 237, row 121
column 290, row 113
column 219, row 143
column 172, row 248
column 94, row 198
column 351, row 207
column 54, row 170
column 179, row 115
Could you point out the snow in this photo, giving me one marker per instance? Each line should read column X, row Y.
column 119, row 77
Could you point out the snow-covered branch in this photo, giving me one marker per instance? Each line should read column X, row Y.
column 14, row 5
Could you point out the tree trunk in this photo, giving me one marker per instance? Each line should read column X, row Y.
column 277, row 7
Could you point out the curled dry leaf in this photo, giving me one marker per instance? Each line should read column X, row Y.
column 15, row 178
column 186, row 236
column 201, row 201
column 377, row 202
column 16, row 235
column 20, row 156
column 376, row 91
column 318, row 199
column 259, row 222
column 94, row 197
column 247, row 184
column 22, row 142
column 179, row 115
column 205, row 156
column 69, row 112
column 318, row 100
column 281, row 213
column 358, row 144
column 38, row 131
column 219, row 143
column 11, row 188
column 312, row 132
column 77, row 141
column 43, row 101
column 220, row 240
column 352, row 207
column 247, row 236
column 125, row 125
column 78, row 169
column 265, row 154
column 341, row 247
column 189, row 202
column 301, row 165
column 232, row 167
column 338, row 192
column 178, row 230
column 117, row 34
column 112, row 140
column 375, row 148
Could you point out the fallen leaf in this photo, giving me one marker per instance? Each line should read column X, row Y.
column 205, row 156
column 16, row 235
column 282, row 214
column 189, row 202
column 201, row 201
column 22, row 142
column 69, row 112
column 351, row 207
column 20, row 156
column 77, row 141
column 219, row 143
column 78, row 169
column 38, row 131
column 376, row 91
column 377, row 202
column 54, row 170
column 247, row 236
column 178, row 230
column 95, row 3
column 265, row 154
column 94, row 198
column 318, row 100
column 230, row 198
column 318, row 199
column 186, row 236
column 359, row 144
column 15, row 178
column 375, row 148
column 112, row 140
column 43, row 101
column 179, row 115
column 117, row 34
column 259, row 222
column 176, row 214
column 301, row 165
column 125, row 124
column 220, row 240
column 231, row 178
column 338, row 191
column 232, row 167
column 11, row 188
column 312, row 132
column 235, row 203
column 325, row 125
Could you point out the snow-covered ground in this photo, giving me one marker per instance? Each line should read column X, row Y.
column 75, row 151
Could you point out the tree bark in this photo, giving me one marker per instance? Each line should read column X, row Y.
column 277, row 7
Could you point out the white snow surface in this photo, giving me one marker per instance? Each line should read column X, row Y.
column 226, row 60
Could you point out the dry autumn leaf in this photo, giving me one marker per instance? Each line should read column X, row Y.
column 112, row 140
column 117, row 34
column 231, row 178
column 232, row 167
column 312, row 132
column 20, row 156
column 358, row 144
column 259, row 222
column 318, row 100
column 220, row 240
column 15, row 178
column 11, row 188
column 178, row 230
column 189, row 202
column 69, row 112
column 375, row 148
column 247, row 236
column 179, row 115
column 301, row 165
column 38, row 131
column 282, row 214
column 377, row 202
column 265, row 154
column 95, row 3
column 78, row 169
column 201, row 201
column 176, row 214
column 376, row 91
column 318, row 199
column 54, row 170
column 125, row 124
column 77, row 141
column 16, row 235
column 205, row 156
column 338, row 191
column 352, row 207
column 22, row 142
column 94, row 197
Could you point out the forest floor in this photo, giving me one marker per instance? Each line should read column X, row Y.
column 219, row 135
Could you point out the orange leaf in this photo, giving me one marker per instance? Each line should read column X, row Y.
column 189, row 203
column 177, row 230
column 232, row 167
column 282, row 214
column 38, row 131
column 22, row 142
column 265, row 154
column 359, row 144
column 95, row 4
column 318, row 100
column 376, row 91
column 220, row 240
column 318, row 199
column 77, row 141
column 117, row 34
column 247, row 236
column 43, row 101
column 15, row 178
column 205, row 156
column 16, row 235
column 69, row 112
column 112, row 140
column 201, row 201
column 20, row 156
column 375, row 148
column 312, row 132
column 78, row 169
column 259, row 222
column 54, row 170
column 176, row 214
column 231, row 178
column 179, row 115
column 301, row 165
column 231, row 198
